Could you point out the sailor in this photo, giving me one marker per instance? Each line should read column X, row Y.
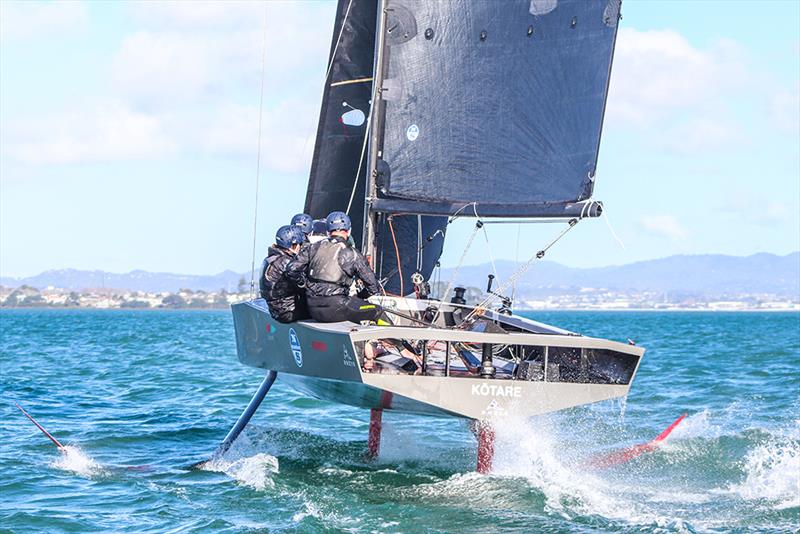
column 285, row 300
column 319, row 231
column 305, row 222
column 328, row 268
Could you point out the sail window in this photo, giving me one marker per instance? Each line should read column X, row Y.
column 354, row 117
column 542, row 7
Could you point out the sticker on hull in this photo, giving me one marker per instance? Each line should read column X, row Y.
column 297, row 351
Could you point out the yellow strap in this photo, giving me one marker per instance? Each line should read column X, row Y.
column 348, row 82
column 381, row 322
column 367, row 307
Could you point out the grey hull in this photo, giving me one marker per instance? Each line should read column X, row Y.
column 324, row 362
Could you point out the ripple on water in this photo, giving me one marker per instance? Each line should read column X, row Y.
column 162, row 388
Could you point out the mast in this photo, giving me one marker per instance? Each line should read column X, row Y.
column 369, row 247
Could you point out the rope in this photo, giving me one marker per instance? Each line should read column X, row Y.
column 360, row 161
column 258, row 156
column 453, row 278
column 611, row 229
column 489, row 248
column 420, row 244
column 523, row 269
column 516, row 260
column 397, row 253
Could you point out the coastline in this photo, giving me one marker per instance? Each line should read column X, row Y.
column 516, row 310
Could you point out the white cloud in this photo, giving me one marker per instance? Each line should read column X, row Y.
column 785, row 109
column 701, row 134
column 187, row 80
column 203, row 13
column 25, row 20
column 191, row 50
column 659, row 72
column 286, row 135
column 664, row 226
column 680, row 97
column 106, row 133
column 113, row 132
column 755, row 208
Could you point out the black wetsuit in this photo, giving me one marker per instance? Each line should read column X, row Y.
column 328, row 269
column 285, row 300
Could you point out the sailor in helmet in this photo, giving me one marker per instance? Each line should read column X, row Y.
column 319, row 231
column 305, row 222
column 328, row 268
column 286, row 302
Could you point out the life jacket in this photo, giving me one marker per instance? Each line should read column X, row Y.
column 273, row 284
column 324, row 265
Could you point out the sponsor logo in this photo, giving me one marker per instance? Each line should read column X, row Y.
column 493, row 410
column 347, row 359
column 297, row 351
column 494, row 390
column 271, row 329
column 412, row 132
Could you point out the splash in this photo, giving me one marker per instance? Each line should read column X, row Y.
column 554, row 467
column 772, row 473
column 75, row 460
column 698, row 425
column 249, row 468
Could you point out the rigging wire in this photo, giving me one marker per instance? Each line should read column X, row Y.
column 360, row 161
column 454, row 276
column 516, row 261
column 397, row 253
column 258, row 156
column 523, row 269
column 328, row 70
column 488, row 246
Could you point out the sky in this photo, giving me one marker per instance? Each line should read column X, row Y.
column 129, row 135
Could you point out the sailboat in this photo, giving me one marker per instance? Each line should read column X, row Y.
column 436, row 111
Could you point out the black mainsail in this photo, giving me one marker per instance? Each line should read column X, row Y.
column 493, row 105
column 497, row 103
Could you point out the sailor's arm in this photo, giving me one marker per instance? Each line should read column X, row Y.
column 365, row 273
column 296, row 269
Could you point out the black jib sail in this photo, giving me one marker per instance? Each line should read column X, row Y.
column 498, row 103
column 340, row 152
column 343, row 117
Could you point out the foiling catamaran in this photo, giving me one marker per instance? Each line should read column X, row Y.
column 433, row 111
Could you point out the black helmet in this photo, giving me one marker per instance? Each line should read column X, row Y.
column 288, row 235
column 338, row 220
column 303, row 221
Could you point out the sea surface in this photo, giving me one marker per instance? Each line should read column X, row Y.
column 139, row 395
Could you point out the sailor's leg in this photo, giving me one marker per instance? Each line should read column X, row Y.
column 484, row 433
column 374, row 442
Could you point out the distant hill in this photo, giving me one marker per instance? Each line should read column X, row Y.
column 706, row 274
column 74, row 279
column 709, row 274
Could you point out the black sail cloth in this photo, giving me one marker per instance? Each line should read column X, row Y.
column 498, row 103
column 339, row 144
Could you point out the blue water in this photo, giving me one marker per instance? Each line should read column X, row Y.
column 138, row 395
